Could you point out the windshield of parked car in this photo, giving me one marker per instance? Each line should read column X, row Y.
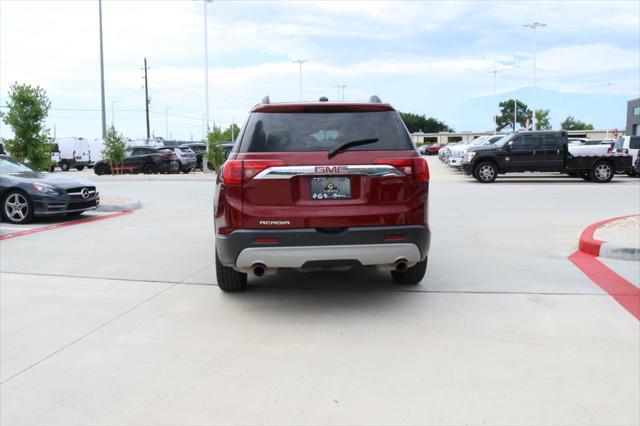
column 9, row 165
column 324, row 131
column 505, row 139
column 478, row 141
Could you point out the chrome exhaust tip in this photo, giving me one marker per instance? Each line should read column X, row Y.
column 401, row 265
column 258, row 269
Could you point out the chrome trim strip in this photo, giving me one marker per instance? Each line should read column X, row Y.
column 295, row 257
column 287, row 172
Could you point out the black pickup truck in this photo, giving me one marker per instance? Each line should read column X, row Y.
column 539, row 152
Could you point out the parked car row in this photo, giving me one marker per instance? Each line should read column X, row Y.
column 542, row 151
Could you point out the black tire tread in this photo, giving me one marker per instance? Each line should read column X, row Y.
column 230, row 280
column 412, row 275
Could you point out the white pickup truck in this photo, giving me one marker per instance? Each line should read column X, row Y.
column 580, row 147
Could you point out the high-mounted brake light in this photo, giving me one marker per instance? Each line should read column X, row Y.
column 415, row 167
column 236, row 171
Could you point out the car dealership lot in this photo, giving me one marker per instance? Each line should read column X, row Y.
column 119, row 321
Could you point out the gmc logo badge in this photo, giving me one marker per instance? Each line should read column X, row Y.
column 330, row 169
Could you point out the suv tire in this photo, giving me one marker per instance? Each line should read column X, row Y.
column 150, row 169
column 64, row 166
column 602, row 172
column 485, row 172
column 230, row 280
column 412, row 275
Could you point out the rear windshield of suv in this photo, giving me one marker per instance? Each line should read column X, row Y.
column 323, row 131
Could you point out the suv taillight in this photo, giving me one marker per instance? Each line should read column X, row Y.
column 415, row 167
column 236, row 171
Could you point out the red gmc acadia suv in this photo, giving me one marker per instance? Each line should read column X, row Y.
column 322, row 185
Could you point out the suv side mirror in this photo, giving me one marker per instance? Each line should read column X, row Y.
column 509, row 146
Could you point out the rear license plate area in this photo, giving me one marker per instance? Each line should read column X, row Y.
column 331, row 188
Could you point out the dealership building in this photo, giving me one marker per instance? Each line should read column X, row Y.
column 633, row 117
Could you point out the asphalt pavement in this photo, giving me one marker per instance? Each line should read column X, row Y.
column 119, row 321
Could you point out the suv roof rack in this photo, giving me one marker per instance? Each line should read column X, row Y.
column 266, row 100
column 375, row 99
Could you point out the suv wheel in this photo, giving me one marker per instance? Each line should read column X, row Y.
column 602, row 172
column 150, row 169
column 412, row 275
column 17, row 207
column 485, row 172
column 101, row 169
column 64, row 167
column 230, row 280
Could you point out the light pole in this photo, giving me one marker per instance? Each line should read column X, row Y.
column 300, row 62
column 206, row 76
column 341, row 87
column 112, row 117
column 534, row 26
column 166, row 123
column 515, row 114
column 104, row 114
column 608, row 102
column 495, row 97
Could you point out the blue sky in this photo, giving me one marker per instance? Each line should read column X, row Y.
column 428, row 57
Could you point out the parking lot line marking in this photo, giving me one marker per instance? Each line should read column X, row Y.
column 61, row 225
column 623, row 291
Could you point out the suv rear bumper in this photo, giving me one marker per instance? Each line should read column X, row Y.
column 299, row 248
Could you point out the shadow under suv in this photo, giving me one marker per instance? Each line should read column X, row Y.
column 322, row 185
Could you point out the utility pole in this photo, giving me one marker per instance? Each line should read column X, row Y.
column 112, row 116
column 300, row 62
column 515, row 114
column 608, row 102
column 104, row 115
column 146, row 96
column 534, row 26
column 495, row 97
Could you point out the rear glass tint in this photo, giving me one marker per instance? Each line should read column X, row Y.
column 323, row 131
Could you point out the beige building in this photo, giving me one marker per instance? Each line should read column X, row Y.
column 420, row 138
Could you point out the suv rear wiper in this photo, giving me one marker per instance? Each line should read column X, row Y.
column 346, row 145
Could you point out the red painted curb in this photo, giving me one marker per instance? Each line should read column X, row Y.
column 588, row 243
column 62, row 225
column 624, row 292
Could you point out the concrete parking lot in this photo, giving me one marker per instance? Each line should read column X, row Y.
column 119, row 321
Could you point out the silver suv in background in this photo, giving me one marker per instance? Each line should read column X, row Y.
column 186, row 157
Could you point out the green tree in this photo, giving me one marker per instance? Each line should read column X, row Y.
column 114, row 149
column 571, row 123
column 231, row 133
column 28, row 108
column 505, row 119
column 542, row 119
column 215, row 153
column 420, row 123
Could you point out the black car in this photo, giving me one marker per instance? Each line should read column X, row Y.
column 227, row 147
column 143, row 159
column 25, row 193
column 545, row 151
column 200, row 149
